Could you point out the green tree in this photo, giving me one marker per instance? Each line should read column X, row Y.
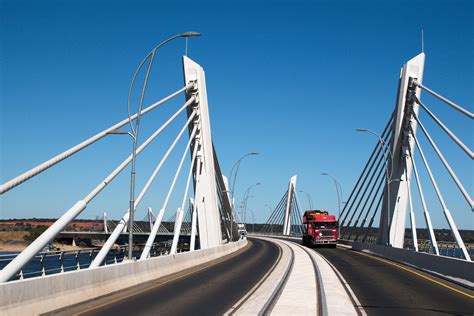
column 34, row 233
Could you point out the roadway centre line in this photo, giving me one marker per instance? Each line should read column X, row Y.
column 347, row 287
column 160, row 284
column 244, row 299
column 415, row 272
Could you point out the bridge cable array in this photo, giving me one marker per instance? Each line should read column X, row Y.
column 288, row 207
column 369, row 192
column 452, row 225
column 368, row 188
column 184, row 224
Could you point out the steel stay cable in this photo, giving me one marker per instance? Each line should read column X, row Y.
column 381, row 181
column 73, row 150
column 278, row 220
column 410, row 204
column 382, row 158
column 294, row 219
column 124, row 220
column 446, row 164
column 445, row 128
column 379, row 201
column 146, row 250
column 373, row 217
column 373, row 184
column 279, row 216
column 275, row 211
column 99, row 188
column 179, row 213
column 25, row 256
column 426, row 213
column 271, row 221
column 366, row 188
column 349, row 199
column 379, row 157
column 446, row 211
column 449, row 102
column 389, row 124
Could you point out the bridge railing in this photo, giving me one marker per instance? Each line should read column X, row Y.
column 60, row 261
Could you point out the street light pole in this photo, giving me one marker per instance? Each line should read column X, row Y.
column 271, row 210
column 246, row 197
column 310, row 200
column 253, row 220
column 383, row 144
column 243, row 206
column 134, row 130
column 339, row 198
column 237, row 164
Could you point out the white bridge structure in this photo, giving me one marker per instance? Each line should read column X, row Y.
column 373, row 218
column 211, row 218
column 385, row 187
column 286, row 217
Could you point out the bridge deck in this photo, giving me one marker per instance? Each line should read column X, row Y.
column 384, row 287
column 208, row 289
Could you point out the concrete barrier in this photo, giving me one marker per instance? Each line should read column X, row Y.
column 453, row 269
column 44, row 294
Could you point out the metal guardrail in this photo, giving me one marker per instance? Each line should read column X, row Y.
column 446, row 248
column 52, row 262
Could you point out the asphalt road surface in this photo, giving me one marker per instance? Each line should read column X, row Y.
column 387, row 288
column 210, row 291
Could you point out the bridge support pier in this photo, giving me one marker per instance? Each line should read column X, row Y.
column 206, row 200
column 289, row 206
column 396, row 196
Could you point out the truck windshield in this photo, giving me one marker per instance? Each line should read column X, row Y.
column 325, row 224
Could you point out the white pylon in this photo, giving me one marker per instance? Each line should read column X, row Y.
column 289, row 204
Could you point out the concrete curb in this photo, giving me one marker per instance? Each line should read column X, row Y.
column 44, row 294
column 452, row 269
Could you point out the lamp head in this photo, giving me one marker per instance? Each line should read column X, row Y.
column 190, row 34
column 361, row 129
column 324, row 174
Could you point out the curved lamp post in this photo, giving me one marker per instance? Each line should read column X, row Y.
column 310, row 200
column 134, row 130
column 244, row 201
column 383, row 144
column 236, row 166
column 339, row 198
column 253, row 220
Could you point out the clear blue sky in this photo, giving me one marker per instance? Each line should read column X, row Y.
column 289, row 79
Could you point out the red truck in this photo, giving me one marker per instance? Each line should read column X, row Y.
column 320, row 228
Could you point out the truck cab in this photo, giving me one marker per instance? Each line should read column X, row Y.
column 320, row 228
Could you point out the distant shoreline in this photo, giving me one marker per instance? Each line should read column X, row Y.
column 19, row 247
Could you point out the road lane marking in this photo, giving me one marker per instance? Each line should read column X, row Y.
column 235, row 307
column 416, row 273
column 150, row 287
column 355, row 301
